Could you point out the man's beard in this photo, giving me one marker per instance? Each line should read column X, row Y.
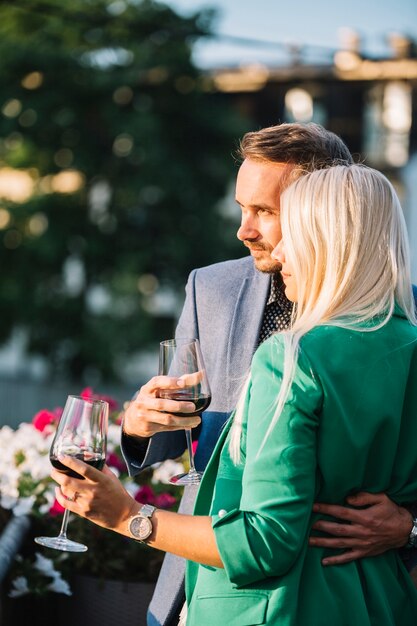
column 267, row 264
column 273, row 267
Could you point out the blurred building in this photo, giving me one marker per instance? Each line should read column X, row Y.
column 370, row 103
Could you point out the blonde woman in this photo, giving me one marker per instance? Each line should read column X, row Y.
column 329, row 408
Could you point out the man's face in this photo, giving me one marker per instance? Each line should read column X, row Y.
column 258, row 189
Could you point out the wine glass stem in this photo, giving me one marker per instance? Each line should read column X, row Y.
column 190, row 450
column 63, row 531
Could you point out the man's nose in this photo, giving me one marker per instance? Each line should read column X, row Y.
column 247, row 230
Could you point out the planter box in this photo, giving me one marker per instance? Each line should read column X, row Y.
column 106, row 603
column 93, row 603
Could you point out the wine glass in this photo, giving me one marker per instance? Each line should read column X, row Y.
column 81, row 433
column 183, row 358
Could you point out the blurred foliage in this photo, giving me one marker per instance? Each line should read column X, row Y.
column 124, row 152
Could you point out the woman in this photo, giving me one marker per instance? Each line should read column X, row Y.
column 328, row 408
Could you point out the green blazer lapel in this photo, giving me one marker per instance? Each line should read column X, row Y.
column 203, row 502
column 205, row 492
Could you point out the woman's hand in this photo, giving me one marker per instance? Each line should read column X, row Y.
column 100, row 497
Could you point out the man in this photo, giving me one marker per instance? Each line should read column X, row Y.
column 232, row 307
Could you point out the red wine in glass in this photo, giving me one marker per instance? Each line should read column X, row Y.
column 201, row 401
column 182, row 358
column 94, row 460
column 82, row 434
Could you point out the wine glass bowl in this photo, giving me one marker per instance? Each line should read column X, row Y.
column 182, row 358
column 82, row 434
column 201, row 400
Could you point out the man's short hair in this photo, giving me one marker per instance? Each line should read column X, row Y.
column 307, row 146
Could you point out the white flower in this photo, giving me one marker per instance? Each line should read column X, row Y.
column 24, row 506
column 44, row 565
column 49, row 495
column 8, row 502
column 37, row 464
column 131, row 487
column 24, row 460
column 164, row 471
column 59, row 585
column 113, row 436
column 27, row 488
column 20, row 587
column 9, row 481
column 47, row 568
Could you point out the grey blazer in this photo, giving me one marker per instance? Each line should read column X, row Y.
column 223, row 308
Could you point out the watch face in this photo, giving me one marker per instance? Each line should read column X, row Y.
column 140, row 527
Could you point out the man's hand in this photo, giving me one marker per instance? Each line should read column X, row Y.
column 381, row 526
column 148, row 414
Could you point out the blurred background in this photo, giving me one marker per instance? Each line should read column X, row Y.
column 118, row 126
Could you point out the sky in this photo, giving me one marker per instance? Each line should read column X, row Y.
column 315, row 24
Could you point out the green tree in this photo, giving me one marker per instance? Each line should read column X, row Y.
column 113, row 154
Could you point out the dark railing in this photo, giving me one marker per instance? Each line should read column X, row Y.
column 10, row 541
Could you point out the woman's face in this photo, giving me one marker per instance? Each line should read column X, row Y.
column 278, row 253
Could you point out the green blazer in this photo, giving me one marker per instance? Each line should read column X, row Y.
column 350, row 423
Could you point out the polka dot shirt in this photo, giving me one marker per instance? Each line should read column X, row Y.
column 278, row 309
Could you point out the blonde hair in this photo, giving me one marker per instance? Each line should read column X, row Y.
column 346, row 242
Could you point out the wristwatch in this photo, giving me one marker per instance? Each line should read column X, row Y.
column 412, row 538
column 140, row 525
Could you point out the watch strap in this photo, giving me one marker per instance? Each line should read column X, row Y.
column 147, row 510
column 412, row 538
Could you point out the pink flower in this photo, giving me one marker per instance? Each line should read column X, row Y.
column 195, row 444
column 113, row 460
column 113, row 404
column 145, row 495
column 44, row 419
column 56, row 509
column 164, row 501
column 88, row 394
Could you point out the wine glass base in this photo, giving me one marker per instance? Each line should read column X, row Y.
column 64, row 544
column 191, row 478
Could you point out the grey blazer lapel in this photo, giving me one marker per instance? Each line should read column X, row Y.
column 245, row 328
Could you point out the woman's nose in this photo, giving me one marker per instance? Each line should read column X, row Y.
column 278, row 252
